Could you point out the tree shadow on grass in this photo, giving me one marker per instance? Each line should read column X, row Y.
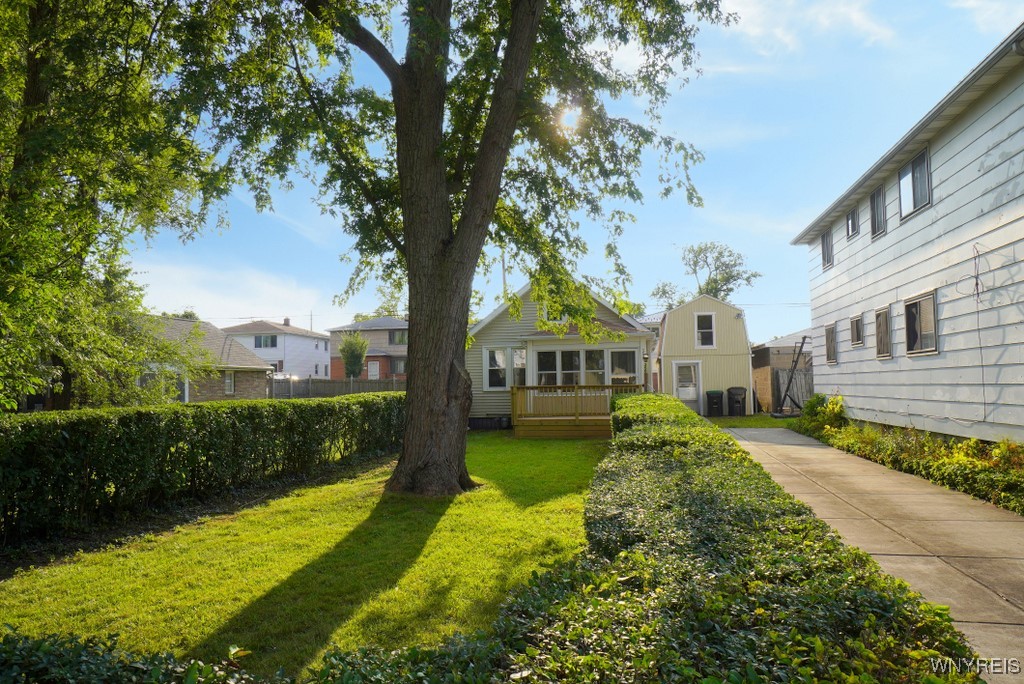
column 531, row 472
column 289, row 625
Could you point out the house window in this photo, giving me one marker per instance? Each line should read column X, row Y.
column 826, row 249
column 229, row 382
column 497, row 369
column 883, row 338
column 266, row 341
column 705, row 330
column 624, row 367
column 316, row 345
column 316, row 369
column 852, row 223
column 547, row 368
column 920, row 324
column 398, row 337
column 857, row 331
column 398, row 366
column 519, row 367
column 571, row 367
column 914, row 186
column 594, row 368
column 878, row 212
column 830, row 343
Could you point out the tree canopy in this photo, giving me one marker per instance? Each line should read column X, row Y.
column 90, row 153
column 353, row 352
column 718, row 270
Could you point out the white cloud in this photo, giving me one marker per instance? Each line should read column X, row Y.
column 316, row 227
column 230, row 296
column 778, row 25
column 992, row 16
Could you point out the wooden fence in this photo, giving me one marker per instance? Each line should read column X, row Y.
column 306, row 388
column 802, row 388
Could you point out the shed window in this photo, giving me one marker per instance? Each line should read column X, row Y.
column 920, row 322
column 878, row 212
column 830, row 343
column 883, row 337
column 915, row 191
column 705, row 330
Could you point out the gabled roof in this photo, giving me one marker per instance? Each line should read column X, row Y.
column 632, row 326
column 226, row 352
column 261, row 327
column 1007, row 56
column 699, row 298
column 788, row 341
column 379, row 323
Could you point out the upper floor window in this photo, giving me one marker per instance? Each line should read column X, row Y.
column 398, row 337
column 920, row 322
column 878, row 212
column 915, row 188
column 883, row 337
column 266, row 341
column 826, row 249
column 852, row 223
column 856, row 331
column 830, row 343
column 705, row 330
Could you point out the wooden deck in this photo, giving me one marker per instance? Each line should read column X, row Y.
column 565, row 412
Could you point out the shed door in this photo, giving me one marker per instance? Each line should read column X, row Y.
column 686, row 384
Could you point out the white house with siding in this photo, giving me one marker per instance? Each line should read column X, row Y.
column 289, row 349
column 916, row 273
column 507, row 353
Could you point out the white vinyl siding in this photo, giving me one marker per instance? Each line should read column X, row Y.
column 971, row 383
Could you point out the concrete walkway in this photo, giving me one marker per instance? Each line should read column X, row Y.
column 954, row 549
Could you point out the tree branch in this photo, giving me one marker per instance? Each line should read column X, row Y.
column 496, row 141
column 321, row 115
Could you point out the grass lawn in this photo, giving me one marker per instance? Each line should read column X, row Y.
column 758, row 420
column 339, row 563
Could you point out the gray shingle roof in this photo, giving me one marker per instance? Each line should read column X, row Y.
column 270, row 327
column 380, row 323
column 226, row 352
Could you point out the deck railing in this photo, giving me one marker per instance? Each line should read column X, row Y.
column 565, row 401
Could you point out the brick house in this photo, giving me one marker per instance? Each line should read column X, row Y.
column 387, row 355
column 239, row 373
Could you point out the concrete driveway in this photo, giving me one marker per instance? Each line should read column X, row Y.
column 954, row 549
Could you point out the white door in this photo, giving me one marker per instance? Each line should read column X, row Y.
column 686, row 378
column 373, row 370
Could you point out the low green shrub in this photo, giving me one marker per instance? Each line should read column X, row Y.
column 66, row 470
column 629, row 410
column 700, row 569
column 992, row 472
column 820, row 413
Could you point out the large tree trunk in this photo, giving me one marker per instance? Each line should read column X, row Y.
column 439, row 394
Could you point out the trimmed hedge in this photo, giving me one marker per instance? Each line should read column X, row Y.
column 65, row 470
column 700, row 569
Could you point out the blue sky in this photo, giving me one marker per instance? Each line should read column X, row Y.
column 795, row 101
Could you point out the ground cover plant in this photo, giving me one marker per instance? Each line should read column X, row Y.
column 758, row 420
column 338, row 563
column 699, row 568
column 990, row 471
column 66, row 470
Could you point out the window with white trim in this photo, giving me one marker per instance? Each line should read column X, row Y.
column 229, row 382
column 878, row 212
column 826, row 249
column 594, row 373
column 547, row 368
column 570, row 367
column 852, row 223
column 883, row 336
column 915, row 185
column 830, row 343
column 705, row 326
column 857, row 331
column 398, row 366
column 497, row 369
column 266, row 341
column 624, row 367
column 505, row 367
column 919, row 317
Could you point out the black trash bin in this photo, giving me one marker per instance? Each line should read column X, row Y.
column 737, row 401
column 715, row 403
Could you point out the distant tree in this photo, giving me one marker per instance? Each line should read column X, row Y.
column 353, row 352
column 187, row 314
column 718, row 270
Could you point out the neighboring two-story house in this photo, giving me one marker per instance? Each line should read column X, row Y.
column 917, row 271
column 388, row 352
column 289, row 349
